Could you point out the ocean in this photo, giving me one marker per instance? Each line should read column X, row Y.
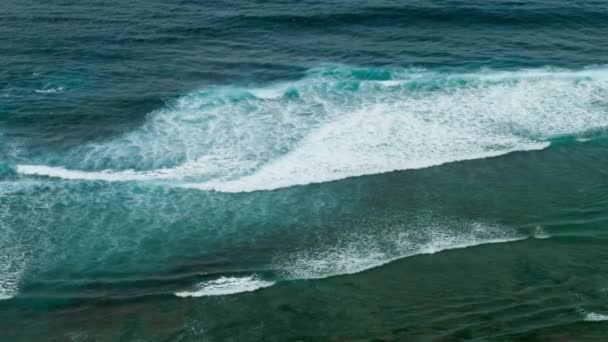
column 303, row 170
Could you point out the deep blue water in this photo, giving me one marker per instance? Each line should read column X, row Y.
column 282, row 170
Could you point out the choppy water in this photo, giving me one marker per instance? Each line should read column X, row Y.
column 303, row 170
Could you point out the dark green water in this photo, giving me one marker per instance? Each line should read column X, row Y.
column 242, row 171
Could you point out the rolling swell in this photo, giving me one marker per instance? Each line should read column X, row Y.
column 340, row 122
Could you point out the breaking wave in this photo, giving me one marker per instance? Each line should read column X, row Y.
column 340, row 122
column 226, row 286
column 358, row 252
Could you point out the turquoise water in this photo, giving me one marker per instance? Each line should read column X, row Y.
column 303, row 171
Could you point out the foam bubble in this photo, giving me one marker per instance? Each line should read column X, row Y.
column 226, row 286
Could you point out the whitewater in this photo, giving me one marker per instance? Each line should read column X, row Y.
column 339, row 122
column 354, row 253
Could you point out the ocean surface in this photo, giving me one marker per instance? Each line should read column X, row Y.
column 303, row 170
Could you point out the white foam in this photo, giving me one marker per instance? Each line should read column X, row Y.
column 199, row 167
column 600, row 73
column 540, row 233
column 12, row 259
column 595, row 317
column 315, row 164
column 107, row 175
column 391, row 83
column 357, row 253
column 421, row 130
column 360, row 253
column 349, row 261
column 269, row 93
column 8, row 288
column 219, row 139
column 11, row 271
column 49, row 90
column 226, row 286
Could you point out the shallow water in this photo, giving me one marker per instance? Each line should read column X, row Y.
column 310, row 170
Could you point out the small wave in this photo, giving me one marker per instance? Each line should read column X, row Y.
column 360, row 253
column 49, row 90
column 343, row 262
column 226, row 286
column 540, row 233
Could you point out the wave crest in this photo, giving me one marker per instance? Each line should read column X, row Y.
column 359, row 253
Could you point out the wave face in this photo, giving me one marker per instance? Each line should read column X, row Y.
column 340, row 122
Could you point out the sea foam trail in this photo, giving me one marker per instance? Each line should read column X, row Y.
column 105, row 175
column 341, row 122
column 226, row 286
